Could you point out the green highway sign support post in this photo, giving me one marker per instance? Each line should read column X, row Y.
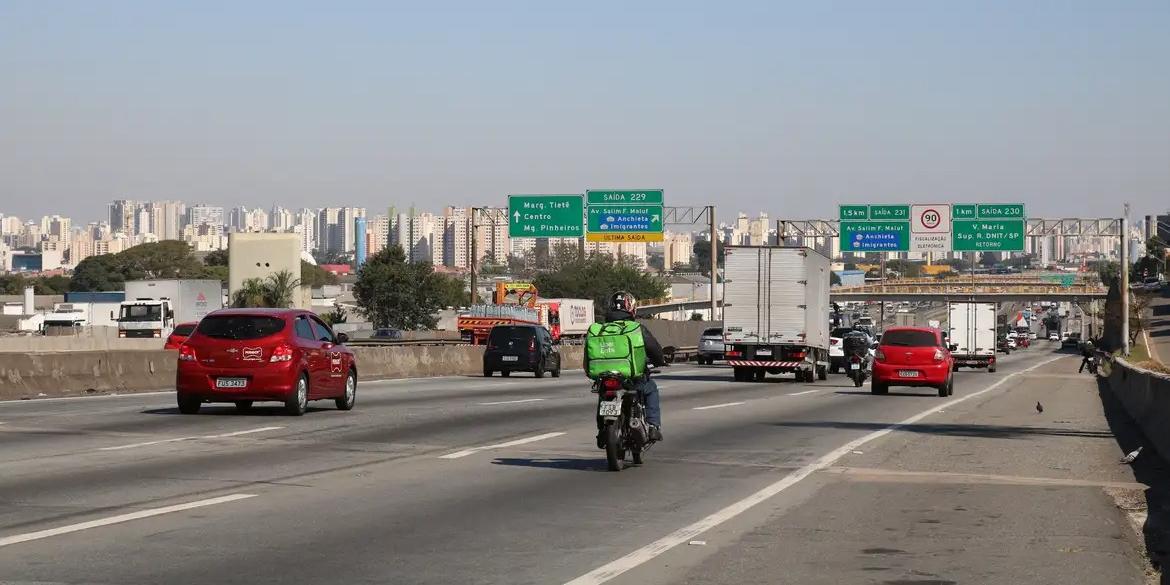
column 545, row 216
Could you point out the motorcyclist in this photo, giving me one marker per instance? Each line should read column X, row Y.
column 1088, row 353
column 622, row 307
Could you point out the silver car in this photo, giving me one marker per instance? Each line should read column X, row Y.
column 711, row 346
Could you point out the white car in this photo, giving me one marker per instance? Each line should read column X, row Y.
column 1053, row 337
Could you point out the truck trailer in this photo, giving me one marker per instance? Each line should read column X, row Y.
column 775, row 302
column 972, row 334
column 153, row 307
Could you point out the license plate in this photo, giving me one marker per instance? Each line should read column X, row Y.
column 610, row 408
column 854, row 366
column 510, row 358
column 908, row 373
column 767, row 352
column 231, row 382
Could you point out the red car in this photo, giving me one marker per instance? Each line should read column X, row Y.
column 180, row 334
column 913, row 356
column 246, row 355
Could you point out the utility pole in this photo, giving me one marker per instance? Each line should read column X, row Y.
column 714, row 257
column 474, row 254
column 1125, row 282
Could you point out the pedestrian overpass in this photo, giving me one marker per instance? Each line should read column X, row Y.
column 988, row 290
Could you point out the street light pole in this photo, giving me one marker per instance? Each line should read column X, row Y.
column 714, row 257
column 474, row 254
column 1125, row 283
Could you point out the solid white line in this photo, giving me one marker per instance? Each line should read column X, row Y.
column 19, row 538
column 146, row 444
column 247, row 432
column 511, row 401
column 64, row 398
column 803, row 393
column 717, row 405
column 177, row 439
column 466, row 452
column 617, row 567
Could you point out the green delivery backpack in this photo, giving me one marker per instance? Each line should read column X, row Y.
column 616, row 346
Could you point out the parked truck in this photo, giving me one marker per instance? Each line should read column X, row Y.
column 517, row 303
column 775, row 302
column 972, row 334
column 153, row 307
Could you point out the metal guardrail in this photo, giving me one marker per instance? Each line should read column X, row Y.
column 391, row 342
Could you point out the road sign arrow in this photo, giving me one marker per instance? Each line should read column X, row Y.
column 655, row 217
column 517, row 216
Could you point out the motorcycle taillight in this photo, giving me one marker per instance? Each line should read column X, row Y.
column 611, row 384
column 610, row 394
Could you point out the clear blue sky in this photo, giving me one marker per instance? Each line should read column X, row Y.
column 786, row 107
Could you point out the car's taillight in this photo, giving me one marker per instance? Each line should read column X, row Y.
column 186, row 353
column 799, row 355
column 733, row 353
column 532, row 344
column 282, row 353
column 879, row 355
column 938, row 355
column 833, row 341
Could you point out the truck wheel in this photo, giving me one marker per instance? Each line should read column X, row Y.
column 759, row 375
column 822, row 372
column 991, row 369
column 878, row 388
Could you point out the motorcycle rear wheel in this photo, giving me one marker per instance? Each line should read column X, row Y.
column 614, row 454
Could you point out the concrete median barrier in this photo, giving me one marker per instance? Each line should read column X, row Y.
column 1146, row 397
column 80, row 373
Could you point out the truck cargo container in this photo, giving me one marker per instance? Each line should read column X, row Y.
column 972, row 334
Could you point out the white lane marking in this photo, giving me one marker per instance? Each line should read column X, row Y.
column 718, row 405
column 511, row 401
column 614, row 568
column 247, row 432
column 40, row 534
column 177, row 439
column 803, row 393
column 64, row 398
column 466, row 452
column 146, row 444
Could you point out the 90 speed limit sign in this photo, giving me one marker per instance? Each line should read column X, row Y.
column 930, row 219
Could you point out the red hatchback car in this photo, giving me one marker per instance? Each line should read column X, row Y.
column 246, row 355
column 180, row 334
column 913, row 356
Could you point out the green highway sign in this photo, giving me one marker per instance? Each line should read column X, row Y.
column 897, row 212
column 545, row 216
column 624, row 223
column 999, row 211
column 963, row 212
column 991, row 235
column 875, row 236
column 852, row 212
column 625, row 196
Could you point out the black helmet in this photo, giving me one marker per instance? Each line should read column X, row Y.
column 624, row 302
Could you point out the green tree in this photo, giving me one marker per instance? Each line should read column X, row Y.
column 452, row 291
column 598, row 277
column 167, row 259
column 314, row 276
column 98, row 273
column 1108, row 270
column 702, row 255
column 988, row 259
column 216, row 258
column 51, row 285
column 1156, row 247
column 250, row 294
column 834, row 280
column 395, row 293
column 278, row 290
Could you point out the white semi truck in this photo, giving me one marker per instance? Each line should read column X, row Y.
column 153, row 307
column 775, row 302
column 972, row 334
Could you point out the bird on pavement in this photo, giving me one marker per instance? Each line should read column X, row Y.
column 1039, row 407
column 1129, row 458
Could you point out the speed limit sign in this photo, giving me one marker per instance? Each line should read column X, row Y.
column 930, row 228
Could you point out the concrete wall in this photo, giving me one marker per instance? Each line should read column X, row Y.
column 31, row 375
column 678, row 333
column 1146, row 397
column 90, row 339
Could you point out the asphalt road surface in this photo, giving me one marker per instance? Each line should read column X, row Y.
column 473, row 480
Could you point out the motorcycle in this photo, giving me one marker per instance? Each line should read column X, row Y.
column 622, row 412
column 857, row 351
column 1092, row 365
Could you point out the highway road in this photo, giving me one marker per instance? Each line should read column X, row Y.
column 472, row 480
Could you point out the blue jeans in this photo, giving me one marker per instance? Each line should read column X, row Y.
column 649, row 390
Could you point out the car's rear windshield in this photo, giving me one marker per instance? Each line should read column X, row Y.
column 240, row 326
column 713, row 332
column 184, row 330
column 908, row 338
column 506, row 333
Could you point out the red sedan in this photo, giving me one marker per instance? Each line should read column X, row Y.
column 284, row 355
column 913, row 356
column 180, row 334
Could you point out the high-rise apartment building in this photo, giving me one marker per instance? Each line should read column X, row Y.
column 256, row 220
column 198, row 215
column 123, row 216
column 457, row 237
column 677, row 249
column 166, row 219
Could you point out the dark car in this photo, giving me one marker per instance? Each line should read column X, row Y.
column 521, row 348
column 283, row 355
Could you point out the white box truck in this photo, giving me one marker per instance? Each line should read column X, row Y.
column 774, row 307
column 153, row 307
column 569, row 318
column 971, row 331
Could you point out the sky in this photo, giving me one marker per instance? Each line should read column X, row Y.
column 785, row 107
